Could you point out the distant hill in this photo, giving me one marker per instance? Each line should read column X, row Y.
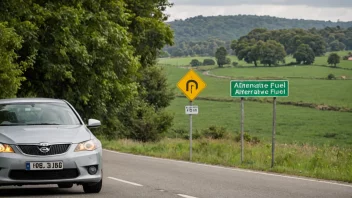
column 227, row 28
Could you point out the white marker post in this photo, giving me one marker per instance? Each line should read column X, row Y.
column 191, row 110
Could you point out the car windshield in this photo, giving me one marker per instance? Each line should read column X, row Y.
column 37, row 114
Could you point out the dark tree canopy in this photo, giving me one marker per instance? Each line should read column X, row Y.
column 334, row 59
column 220, row 56
column 304, row 54
column 98, row 55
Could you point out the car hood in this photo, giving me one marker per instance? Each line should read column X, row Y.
column 48, row 134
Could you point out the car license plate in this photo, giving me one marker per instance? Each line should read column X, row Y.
column 44, row 165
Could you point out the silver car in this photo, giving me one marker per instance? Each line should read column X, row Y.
column 44, row 141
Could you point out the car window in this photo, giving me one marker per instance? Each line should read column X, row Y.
column 37, row 114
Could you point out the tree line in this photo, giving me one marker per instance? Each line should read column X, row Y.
column 320, row 40
column 201, row 28
column 98, row 55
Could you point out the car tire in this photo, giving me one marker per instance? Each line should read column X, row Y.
column 65, row 185
column 93, row 187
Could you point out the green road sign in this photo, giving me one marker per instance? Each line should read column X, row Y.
column 259, row 88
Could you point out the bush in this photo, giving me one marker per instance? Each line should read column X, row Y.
column 215, row 132
column 184, row 134
column 234, row 64
column 228, row 61
column 195, row 63
column 291, row 64
column 208, row 62
column 142, row 122
column 247, row 138
column 331, row 76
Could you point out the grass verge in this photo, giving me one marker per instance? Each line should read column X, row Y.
column 324, row 162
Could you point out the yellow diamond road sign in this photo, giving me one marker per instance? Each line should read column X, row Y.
column 191, row 85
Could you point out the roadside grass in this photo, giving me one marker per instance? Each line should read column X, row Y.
column 294, row 124
column 324, row 162
column 321, row 92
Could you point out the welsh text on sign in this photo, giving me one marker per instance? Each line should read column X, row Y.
column 191, row 110
column 259, row 88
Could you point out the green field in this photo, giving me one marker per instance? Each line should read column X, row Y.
column 328, row 92
column 295, row 124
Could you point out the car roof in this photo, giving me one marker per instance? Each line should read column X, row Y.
column 26, row 100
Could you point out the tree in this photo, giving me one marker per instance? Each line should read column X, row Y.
column 10, row 70
column 248, row 50
column 98, row 55
column 195, row 62
column 334, row 59
column 208, row 62
column 220, row 56
column 304, row 54
column 272, row 53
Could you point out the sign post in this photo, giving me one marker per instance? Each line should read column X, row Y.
column 242, row 128
column 259, row 88
column 191, row 85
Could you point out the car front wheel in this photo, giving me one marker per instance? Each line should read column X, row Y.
column 93, row 187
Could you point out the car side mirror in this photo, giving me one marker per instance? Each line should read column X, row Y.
column 93, row 123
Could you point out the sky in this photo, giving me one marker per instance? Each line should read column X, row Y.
column 325, row 10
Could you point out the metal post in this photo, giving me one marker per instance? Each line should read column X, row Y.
column 190, row 134
column 242, row 127
column 274, row 132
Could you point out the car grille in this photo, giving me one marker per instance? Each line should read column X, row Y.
column 55, row 149
column 43, row 174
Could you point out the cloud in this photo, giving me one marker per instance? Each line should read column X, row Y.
column 312, row 3
column 284, row 11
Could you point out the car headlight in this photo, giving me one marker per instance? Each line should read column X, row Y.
column 5, row 148
column 89, row 145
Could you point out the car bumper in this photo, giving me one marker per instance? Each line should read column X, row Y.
column 77, row 161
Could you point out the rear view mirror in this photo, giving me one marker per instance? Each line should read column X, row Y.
column 93, row 123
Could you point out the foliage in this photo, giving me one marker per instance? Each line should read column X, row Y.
column 203, row 35
column 331, row 76
column 215, row 132
column 272, row 52
column 200, row 28
column 334, row 59
column 251, row 51
column 195, row 63
column 140, row 122
column 163, row 54
column 98, row 55
column 10, row 70
column 234, row 64
column 208, row 62
column 220, row 56
column 193, row 48
column 154, row 88
column 304, row 54
column 247, row 138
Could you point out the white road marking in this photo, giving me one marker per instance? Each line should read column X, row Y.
column 185, row 196
column 124, row 181
column 236, row 169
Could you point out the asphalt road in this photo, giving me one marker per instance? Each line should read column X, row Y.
column 133, row 176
